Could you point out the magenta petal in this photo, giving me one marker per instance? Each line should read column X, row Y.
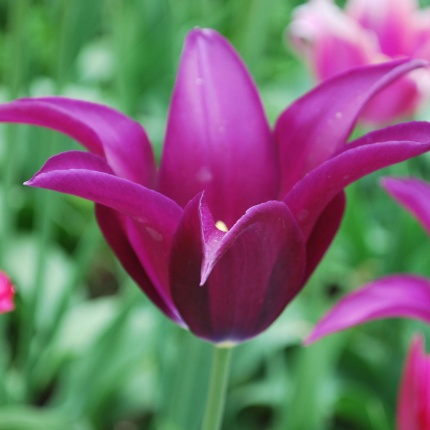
column 153, row 251
column 314, row 127
column 372, row 152
column 7, row 293
column 75, row 160
column 405, row 296
column 399, row 99
column 252, row 272
column 413, row 412
column 112, row 224
column 414, row 195
column 81, row 174
column 323, row 232
column 153, row 214
column 100, row 129
column 218, row 139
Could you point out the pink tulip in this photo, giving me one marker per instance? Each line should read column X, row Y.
column 7, row 292
column 367, row 32
column 226, row 232
column 413, row 412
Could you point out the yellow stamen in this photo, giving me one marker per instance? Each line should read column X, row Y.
column 221, row 226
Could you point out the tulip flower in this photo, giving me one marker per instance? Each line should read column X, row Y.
column 229, row 228
column 402, row 295
column 7, row 292
column 413, row 412
column 367, row 32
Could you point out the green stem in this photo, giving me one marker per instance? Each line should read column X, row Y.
column 217, row 389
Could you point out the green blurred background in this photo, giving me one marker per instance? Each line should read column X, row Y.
column 85, row 350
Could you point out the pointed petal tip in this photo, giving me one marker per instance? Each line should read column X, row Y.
column 312, row 338
column 32, row 182
column 413, row 194
column 390, row 183
column 201, row 39
column 202, row 33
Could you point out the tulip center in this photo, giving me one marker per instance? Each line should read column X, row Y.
column 221, row 226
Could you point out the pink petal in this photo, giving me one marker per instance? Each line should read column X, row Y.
column 414, row 195
column 7, row 292
column 400, row 99
column 406, row 296
column 100, row 129
column 249, row 274
column 313, row 128
column 392, row 22
column 372, row 152
column 218, row 139
column 422, row 37
column 331, row 41
column 154, row 215
column 413, row 411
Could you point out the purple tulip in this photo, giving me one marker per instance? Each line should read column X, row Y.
column 393, row 296
column 367, row 32
column 7, row 293
column 225, row 234
column 413, row 412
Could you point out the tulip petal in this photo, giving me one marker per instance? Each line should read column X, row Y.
column 399, row 99
column 7, row 293
column 100, row 129
column 320, row 28
column 112, row 224
column 413, row 412
column 323, row 232
column 423, row 34
column 365, row 155
column 91, row 180
column 405, row 296
column 153, row 214
column 313, row 128
column 391, row 22
column 218, row 139
column 414, row 195
column 250, row 273
column 75, row 160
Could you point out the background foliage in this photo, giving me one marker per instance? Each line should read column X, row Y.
column 85, row 350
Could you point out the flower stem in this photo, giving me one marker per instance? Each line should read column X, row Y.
column 217, row 389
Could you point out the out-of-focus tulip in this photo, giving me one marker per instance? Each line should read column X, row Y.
column 367, row 32
column 7, row 293
column 413, row 412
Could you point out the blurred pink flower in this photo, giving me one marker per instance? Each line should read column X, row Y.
column 402, row 295
column 413, row 412
column 367, row 32
column 7, row 293
column 225, row 233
